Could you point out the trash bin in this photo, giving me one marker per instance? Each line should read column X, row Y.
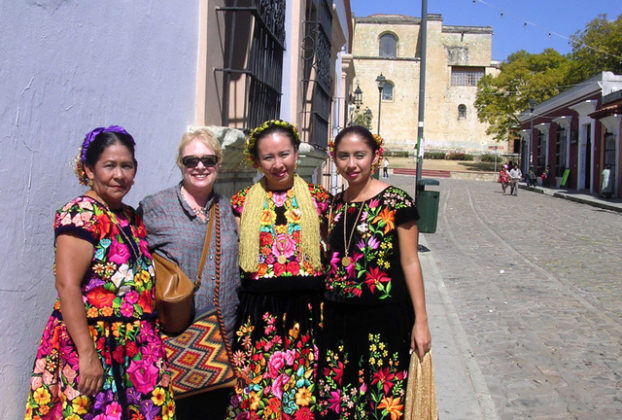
column 427, row 206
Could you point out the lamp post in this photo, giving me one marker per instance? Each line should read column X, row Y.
column 532, row 105
column 380, row 81
column 358, row 96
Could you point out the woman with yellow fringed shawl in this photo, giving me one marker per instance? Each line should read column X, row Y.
column 281, row 218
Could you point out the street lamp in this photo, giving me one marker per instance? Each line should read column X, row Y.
column 380, row 81
column 358, row 96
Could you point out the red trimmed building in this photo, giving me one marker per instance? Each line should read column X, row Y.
column 579, row 130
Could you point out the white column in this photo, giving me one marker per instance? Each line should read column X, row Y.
column 564, row 122
column 544, row 129
column 525, row 138
column 583, row 109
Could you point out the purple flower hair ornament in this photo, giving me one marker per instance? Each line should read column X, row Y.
column 88, row 139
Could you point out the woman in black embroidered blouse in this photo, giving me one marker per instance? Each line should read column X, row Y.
column 375, row 313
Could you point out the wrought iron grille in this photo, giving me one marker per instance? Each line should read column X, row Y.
column 317, row 81
column 262, row 74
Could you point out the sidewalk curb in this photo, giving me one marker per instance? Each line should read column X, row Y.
column 462, row 392
column 590, row 201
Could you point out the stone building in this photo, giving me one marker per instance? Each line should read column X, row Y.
column 457, row 58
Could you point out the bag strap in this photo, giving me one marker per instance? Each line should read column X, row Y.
column 221, row 322
column 208, row 238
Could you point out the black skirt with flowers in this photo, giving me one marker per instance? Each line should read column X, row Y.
column 365, row 349
column 275, row 350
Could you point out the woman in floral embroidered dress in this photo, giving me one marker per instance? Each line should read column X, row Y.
column 375, row 313
column 101, row 356
column 275, row 350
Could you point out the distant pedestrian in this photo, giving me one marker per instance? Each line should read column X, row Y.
column 606, row 182
column 515, row 176
column 385, row 168
column 504, row 178
column 531, row 177
column 546, row 177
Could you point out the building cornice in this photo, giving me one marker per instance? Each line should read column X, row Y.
column 369, row 57
column 455, row 29
column 396, row 19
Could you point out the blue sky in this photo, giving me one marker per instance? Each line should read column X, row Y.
column 560, row 18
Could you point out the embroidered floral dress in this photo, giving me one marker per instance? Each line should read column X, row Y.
column 368, row 314
column 118, row 298
column 275, row 349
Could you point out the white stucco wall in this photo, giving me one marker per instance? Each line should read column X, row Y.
column 68, row 66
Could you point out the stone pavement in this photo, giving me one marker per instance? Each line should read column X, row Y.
column 524, row 300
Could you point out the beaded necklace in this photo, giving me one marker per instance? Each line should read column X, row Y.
column 200, row 212
column 131, row 241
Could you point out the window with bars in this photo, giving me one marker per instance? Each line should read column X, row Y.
column 388, row 46
column 466, row 76
column 462, row 111
column 256, row 68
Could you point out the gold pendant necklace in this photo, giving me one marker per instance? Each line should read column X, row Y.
column 346, row 260
column 280, row 246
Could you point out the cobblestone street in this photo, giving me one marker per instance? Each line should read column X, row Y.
column 537, row 284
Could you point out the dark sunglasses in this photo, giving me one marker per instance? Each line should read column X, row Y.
column 192, row 161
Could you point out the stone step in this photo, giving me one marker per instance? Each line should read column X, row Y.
column 438, row 173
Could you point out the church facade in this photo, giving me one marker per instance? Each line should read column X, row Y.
column 457, row 58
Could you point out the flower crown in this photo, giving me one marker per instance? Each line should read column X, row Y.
column 251, row 140
column 83, row 149
column 377, row 139
column 379, row 142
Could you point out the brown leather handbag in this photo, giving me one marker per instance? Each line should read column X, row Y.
column 174, row 291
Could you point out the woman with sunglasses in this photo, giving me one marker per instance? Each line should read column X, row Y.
column 176, row 220
column 275, row 348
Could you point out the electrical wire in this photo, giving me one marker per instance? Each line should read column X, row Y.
column 503, row 13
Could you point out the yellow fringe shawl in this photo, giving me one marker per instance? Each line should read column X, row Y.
column 251, row 218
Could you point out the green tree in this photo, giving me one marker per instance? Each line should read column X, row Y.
column 362, row 118
column 596, row 48
column 523, row 76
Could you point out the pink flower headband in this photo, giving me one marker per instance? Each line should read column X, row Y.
column 379, row 141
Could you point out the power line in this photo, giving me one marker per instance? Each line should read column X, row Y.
column 551, row 33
